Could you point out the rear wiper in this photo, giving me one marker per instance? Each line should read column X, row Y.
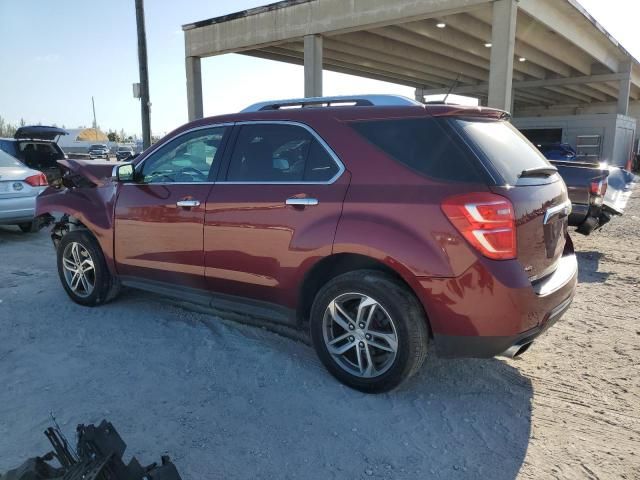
column 538, row 172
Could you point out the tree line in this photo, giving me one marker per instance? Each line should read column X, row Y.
column 8, row 129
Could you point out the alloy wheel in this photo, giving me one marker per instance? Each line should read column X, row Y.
column 79, row 269
column 360, row 335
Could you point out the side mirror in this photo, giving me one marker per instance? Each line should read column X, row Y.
column 124, row 173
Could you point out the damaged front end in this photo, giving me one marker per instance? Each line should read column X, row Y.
column 83, row 199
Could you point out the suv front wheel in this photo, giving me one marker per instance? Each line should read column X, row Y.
column 83, row 270
column 369, row 330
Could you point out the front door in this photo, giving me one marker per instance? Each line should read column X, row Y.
column 273, row 213
column 159, row 218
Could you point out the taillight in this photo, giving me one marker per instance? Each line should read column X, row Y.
column 39, row 180
column 486, row 220
column 599, row 187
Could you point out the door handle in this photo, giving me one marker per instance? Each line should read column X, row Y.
column 188, row 203
column 302, row 202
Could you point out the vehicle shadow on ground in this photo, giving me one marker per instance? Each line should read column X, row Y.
column 241, row 402
column 10, row 233
column 588, row 263
column 463, row 418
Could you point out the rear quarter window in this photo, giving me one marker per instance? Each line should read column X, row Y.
column 425, row 145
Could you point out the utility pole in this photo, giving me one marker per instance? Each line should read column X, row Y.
column 145, row 104
column 95, row 122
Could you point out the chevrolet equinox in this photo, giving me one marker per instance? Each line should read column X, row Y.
column 386, row 228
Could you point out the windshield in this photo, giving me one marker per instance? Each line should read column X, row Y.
column 98, row 146
column 508, row 151
column 7, row 160
column 124, row 149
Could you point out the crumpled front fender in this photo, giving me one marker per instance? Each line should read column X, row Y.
column 93, row 207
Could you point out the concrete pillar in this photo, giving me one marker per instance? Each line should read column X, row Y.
column 194, row 88
column 312, row 66
column 624, row 89
column 503, row 37
column 419, row 95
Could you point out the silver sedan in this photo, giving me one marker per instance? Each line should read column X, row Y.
column 19, row 187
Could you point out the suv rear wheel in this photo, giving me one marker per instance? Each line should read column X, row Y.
column 369, row 330
column 83, row 270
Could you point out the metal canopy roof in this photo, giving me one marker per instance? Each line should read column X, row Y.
column 562, row 55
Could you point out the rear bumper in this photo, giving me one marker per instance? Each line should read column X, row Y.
column 17, row 210
column 487, row 347
column 493, row 306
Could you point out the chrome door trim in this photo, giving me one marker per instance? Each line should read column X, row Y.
column 302, row 202
column 188, row 203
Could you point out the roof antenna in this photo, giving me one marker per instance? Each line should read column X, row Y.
column 453, row 85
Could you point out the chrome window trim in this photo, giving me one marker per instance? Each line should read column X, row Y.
column 314, row 134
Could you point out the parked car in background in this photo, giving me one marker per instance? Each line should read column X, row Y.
column 587, row 185
column 19, row 187
column 35, row 146
column 382, row 225
column 98, row 150
column 558, row 151
column 124, row 153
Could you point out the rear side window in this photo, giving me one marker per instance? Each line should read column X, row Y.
column 279, row 153
column 508, row 151
column 424, row 145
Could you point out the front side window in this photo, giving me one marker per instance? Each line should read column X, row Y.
column 279, row 153
column 189, row 158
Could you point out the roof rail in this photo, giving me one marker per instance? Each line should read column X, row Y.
column 354, row 100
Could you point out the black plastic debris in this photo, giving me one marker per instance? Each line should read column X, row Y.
column 98, row 456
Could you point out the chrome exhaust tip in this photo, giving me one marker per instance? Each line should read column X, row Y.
column 516, row 350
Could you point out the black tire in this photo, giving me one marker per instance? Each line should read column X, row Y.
column 27, row 227
column 105, row 286
column 401, row 307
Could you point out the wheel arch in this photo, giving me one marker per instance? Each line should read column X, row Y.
column 337, row 264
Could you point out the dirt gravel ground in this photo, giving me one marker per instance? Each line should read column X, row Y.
column 235, row 402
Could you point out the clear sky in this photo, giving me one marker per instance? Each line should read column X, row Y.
column 55, row 55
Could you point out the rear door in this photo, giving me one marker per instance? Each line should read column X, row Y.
column 159, row 218
column 274, row 211
column 539, row 196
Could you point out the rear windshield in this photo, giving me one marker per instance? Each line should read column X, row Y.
column 9, row 146
column 508, row 151
column 7, row 160
column 426, row 145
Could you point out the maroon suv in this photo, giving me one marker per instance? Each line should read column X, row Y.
column 383, row 225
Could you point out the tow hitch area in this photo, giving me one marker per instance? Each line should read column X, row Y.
column 98, row 456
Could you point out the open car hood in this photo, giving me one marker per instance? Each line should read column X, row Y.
column 96, row 171
column 39, row 132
